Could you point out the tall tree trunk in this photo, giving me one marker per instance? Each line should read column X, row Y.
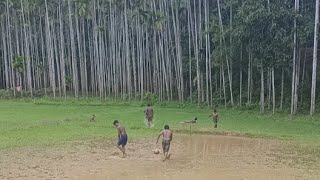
column 5, row 57
column 240, row 86
column 282, row 87
column 269, row 88
column 55, row 53
column 227, row 60
column 27, row 49
column 249, row 76
column 314, row 64
column 9, row 50
column 80, row 53
column 196, row 53
column 209, row 53
column 127, row 51
column 73, row 54
column 43, row 64
column 303, row 77
column 220, row 82
column 189, row 45
column 84, row 71
column 224, row 86
column 231, row 56
column 202, row 88
column 293, row 110
column 297, row 79
column 50, row 52
column 273, row 91
column 262, row 90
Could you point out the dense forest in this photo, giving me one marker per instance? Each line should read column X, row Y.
column 210, row 52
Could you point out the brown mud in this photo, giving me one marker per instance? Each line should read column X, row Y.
column 193, row 157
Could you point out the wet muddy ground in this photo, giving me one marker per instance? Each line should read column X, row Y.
column 193, row 157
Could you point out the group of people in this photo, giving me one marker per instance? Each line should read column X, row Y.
column 123, row 138
column 166, row 133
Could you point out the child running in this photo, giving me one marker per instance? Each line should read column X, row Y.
column 166, row 140
column 215, row 117
column 122, row 137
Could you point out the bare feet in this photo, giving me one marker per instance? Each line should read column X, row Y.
column 168, row 157
column 124, row 155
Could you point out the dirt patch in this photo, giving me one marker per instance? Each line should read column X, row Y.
column 193, row 157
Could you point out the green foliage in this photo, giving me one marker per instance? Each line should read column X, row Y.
column 19, row 63
column 100, row 29
column 6, row 94
column 68, row 81
column 157, row 19
column 149, row 97
column 42, row 67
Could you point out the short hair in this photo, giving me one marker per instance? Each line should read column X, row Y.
column 115, row 122
column 214, row 110
column 166, row 127
column 195, row 118
column 148, row 104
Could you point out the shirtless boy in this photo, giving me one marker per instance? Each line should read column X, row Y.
column 215, row 117
column 166, row 140
column 149, row 114
column 122, row 137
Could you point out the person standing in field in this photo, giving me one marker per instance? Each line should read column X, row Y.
column 149, row 114
column 122, row 137
column 215, row 117
column 166, row 141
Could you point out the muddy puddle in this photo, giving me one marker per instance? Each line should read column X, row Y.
column 193, row 157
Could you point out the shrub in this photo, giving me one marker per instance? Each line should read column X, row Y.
column 6, row 94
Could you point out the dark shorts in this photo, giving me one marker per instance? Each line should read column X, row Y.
column 123, row 140
column 149, row 118
column 215, row 121
column 166, row 145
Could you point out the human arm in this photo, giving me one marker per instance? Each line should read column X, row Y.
column 118, row 133
column 171, row 135
column 210, row 115
column 159, row 137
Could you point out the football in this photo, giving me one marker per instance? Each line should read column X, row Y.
column 156, row 151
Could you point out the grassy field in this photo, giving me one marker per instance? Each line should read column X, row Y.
column 43, row 122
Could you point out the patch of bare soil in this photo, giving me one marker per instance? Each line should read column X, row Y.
column 193, row 157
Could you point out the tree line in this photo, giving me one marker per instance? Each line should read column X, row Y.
column 210, row 52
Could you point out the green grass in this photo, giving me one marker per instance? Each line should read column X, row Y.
column 43, row 122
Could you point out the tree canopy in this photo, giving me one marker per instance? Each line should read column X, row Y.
column 211, row 52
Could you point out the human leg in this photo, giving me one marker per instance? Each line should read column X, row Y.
column 166, row 147
column 121, row 145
